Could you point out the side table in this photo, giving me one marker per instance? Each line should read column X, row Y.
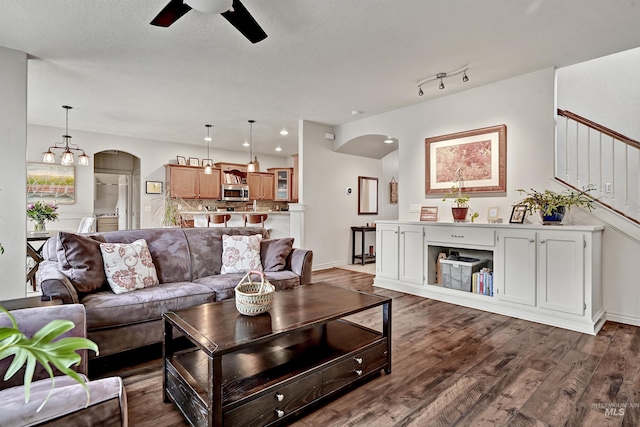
column 29, row 302
column 363, row 257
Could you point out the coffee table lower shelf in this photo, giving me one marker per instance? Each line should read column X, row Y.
column 269, row 382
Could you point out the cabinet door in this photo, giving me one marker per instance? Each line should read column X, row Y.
column 209, row 185
column 267, row 186
column 183, row 182
column 255, row 186
column 515, row 269
column 411, row 257
column 387, row 251
column 561, row 271
column 282, row 178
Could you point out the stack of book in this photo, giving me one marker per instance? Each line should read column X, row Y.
column 482, row 282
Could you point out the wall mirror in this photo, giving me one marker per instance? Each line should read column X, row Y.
column 367, row 195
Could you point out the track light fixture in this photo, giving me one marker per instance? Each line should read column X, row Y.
column 441, row 76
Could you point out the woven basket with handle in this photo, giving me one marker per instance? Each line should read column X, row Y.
column 253, row 298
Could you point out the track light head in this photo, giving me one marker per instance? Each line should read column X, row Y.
column 420, row 92
column 441, row 84
column 464, row 77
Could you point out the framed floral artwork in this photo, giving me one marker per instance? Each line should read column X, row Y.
column 478, row 157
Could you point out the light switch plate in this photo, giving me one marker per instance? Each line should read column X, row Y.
column 414, row 208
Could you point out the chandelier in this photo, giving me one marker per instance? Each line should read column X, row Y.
column 67, row 148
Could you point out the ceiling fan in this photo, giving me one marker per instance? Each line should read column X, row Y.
column 232, row 10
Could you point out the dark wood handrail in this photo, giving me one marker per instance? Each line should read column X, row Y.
column 599, row 128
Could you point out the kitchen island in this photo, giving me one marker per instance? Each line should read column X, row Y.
column 277, row 222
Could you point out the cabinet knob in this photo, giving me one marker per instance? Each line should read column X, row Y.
column 542, row 240
column 358, row 372
column 358, row 360
column 279, row 397
column 279, row 413
column 531, row 240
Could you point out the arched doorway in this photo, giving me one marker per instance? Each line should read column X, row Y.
column 117, row 190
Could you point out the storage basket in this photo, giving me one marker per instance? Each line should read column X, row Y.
column 457, row 274
column 253, row 298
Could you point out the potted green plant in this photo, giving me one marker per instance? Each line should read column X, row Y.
column 460, row 201
column 552, row 205
column 41, row 348
column 169, row 211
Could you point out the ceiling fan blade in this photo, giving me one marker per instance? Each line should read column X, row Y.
column 171, row 13
column 244, row 22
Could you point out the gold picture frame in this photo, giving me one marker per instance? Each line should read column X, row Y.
column 478, row 156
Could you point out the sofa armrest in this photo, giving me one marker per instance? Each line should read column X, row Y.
column 55, row 284
column 300, row 261
column 30, row 320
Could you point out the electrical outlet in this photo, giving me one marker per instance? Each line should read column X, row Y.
column 608, row 187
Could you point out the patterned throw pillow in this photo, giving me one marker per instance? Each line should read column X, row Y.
column 240, row 253
column 128, row 266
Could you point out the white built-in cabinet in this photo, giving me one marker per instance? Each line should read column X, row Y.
column 546, row 274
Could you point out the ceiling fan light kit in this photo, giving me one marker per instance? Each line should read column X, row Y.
column 231, row 10
column 441, row 76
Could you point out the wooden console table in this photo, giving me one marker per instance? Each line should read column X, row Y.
column 363, row 257
column 36, row 254
column 276, row 364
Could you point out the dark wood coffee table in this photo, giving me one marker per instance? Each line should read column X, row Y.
column 265, row 369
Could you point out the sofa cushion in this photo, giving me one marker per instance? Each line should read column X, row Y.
column 274, row 253
column 79, row 259
column 128, row 266
column 224, row 284
column 205, row 247
column 240, row 253
column 106, row 309
column 168, row 247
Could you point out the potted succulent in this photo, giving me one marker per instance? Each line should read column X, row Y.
column 460, row 201
column 43, row 348
column 552, row 205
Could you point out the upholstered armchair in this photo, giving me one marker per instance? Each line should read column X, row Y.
column 66, row 406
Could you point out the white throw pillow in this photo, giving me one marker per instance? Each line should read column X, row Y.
column 128, row 266
column 240, row 253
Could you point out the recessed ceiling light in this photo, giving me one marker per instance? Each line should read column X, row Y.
column 284, row 132
column 245, row 144
column 278, row 148
column 356, row 112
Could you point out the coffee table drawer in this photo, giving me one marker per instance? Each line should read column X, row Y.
column 276, row 404
column 461, row 235
column 349, row 370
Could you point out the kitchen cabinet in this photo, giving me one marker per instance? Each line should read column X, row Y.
column 190, row 182
column 549, row 275
column 294, row 179
column 282, row 183
column 260, row 185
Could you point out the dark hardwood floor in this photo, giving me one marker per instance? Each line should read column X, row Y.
column 464, row 367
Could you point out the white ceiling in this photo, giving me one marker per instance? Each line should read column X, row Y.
column 322, row 60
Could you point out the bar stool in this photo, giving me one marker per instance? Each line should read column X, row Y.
column 254, row 219
column 218, row 219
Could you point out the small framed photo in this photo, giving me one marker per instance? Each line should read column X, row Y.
column 181, row 160
column 429, row 213
column 207, row 162
column 518, row 214
column 194, row 161
column 154, row 187
column 492, row 214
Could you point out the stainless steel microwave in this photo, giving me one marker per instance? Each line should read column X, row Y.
column 235, row 192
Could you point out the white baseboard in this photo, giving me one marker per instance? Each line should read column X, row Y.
column 328, row 265
column 621, row 318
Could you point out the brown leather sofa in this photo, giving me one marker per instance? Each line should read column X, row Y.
column 188, row 263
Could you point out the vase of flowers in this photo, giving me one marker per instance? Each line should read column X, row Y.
column 41, row 212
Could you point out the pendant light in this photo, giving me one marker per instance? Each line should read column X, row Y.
column 252, row 166
column 208, row 168
column 66, row 155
